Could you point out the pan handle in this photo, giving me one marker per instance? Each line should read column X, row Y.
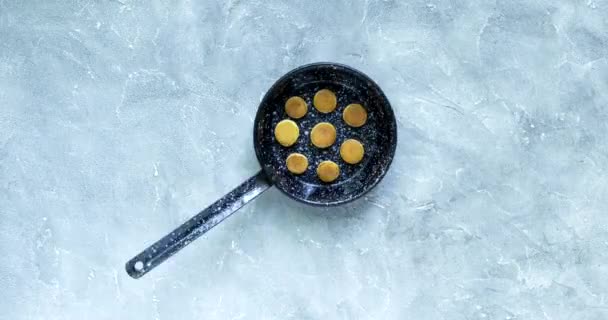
column 197, row 225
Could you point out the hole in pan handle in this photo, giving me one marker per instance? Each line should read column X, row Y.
column 197, row 226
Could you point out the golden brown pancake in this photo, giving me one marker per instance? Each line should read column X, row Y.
column 296, row 107
column 355, row 115
column 323, row 135
column 328, row 171
column 352, row 151
column 325, row 101
column 297, row 163
column 286, row 132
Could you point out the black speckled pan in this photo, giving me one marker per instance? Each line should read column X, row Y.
column 378, row 135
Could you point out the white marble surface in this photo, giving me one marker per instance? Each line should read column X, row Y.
column 120, row 119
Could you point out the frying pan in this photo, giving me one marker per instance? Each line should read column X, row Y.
column 378, row 135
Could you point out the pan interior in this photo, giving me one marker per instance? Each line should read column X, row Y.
column 378, row 135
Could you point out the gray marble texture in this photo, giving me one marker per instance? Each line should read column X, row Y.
column 120, row 119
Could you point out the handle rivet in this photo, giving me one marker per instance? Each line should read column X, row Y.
column 138, row 266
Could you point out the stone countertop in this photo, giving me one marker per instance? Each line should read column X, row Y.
column 121, row 119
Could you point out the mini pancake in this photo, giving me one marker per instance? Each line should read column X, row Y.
column 286, row 132
column 323, row 135
column 355, row 115
column 352, row 151
column 296, row 107
column 328, row 171
column 297, row 163
column 325, row 101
